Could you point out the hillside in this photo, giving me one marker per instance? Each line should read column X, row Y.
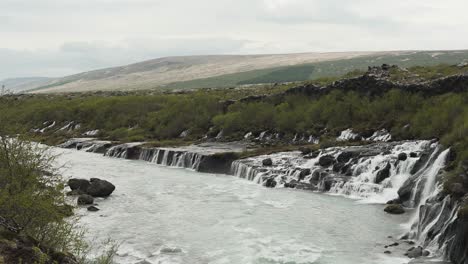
column 155, row 73
column 190, row 72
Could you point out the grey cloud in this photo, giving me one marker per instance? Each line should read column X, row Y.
column 74, row 57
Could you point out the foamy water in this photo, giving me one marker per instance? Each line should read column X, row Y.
column 167, row 215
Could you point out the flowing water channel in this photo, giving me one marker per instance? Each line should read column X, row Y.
column 172, row 215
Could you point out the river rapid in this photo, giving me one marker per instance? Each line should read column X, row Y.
column 172, row 215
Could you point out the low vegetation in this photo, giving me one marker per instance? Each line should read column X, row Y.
column 36, row 222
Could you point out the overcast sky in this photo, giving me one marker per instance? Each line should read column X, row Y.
column 60, row 37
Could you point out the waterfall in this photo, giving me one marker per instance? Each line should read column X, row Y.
column 356, row 171
column 172, row 157
column 117, row 152
column 429, row 191
column 431, row 175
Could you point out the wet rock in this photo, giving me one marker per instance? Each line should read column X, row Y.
column 291, row 184
column 326, row 161
column 270, row 183
column 394, row 209
column 78, row 184
column 170, row 250
column 426, row 253
column 423, row 158
column 405, row 191
column 93, row 208
column 346, row 170
column 337, row 167
column 303, row 174
column 267, row 162
column 402, row 156
column 85, row 199
column 345, row 156
column 383, row 174
column 414, row 252
column 100, row 188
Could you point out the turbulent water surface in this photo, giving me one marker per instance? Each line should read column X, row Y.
column 169, row 215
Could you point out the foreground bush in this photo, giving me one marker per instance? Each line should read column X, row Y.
column 35, row 223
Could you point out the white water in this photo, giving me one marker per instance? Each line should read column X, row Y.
column 361, row 185
column 223, row 219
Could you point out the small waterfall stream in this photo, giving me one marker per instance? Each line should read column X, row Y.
column 172, row 158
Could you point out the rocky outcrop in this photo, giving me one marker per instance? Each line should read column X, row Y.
column 375, row 82
column 94, row 187
column 383, row 173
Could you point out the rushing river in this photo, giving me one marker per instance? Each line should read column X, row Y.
column 168, row 215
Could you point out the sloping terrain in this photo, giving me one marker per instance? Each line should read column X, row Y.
column 159, row 72
column 232, row 70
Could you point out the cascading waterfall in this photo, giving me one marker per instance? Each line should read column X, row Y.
column 291, row 169
column 173, row 158
column 419, row 226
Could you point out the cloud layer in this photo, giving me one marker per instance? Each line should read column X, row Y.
column 60, row 37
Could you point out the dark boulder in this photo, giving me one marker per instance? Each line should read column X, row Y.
column 303, row 174
column 413, row 154
column 326, row 161
column 100, row 188
column 383, row 174
column 267, row 162
column 337, row 167
column 402, row 156
column 406, row 190
column 345, row 156
column 346, row 170
column 85, row 199
column 394, row 209
column 270, row 183
column 78, row 184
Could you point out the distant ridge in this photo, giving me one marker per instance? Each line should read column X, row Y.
column 230, row 70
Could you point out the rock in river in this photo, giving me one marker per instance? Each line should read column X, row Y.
column 85, row 199
column 394, row 209
column 100, row 188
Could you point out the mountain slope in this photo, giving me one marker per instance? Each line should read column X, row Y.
column 232, row 70
column 159, row 72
